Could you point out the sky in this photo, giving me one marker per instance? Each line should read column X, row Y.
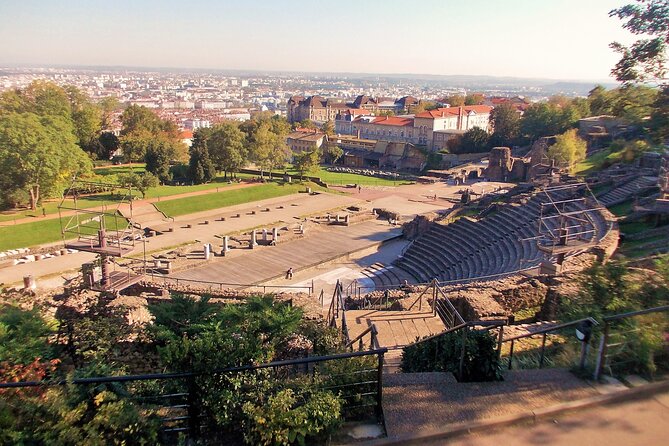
column 556, row 39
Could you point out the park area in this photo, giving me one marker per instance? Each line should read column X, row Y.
column 28, row 228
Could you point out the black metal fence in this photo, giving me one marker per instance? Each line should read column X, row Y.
column 190, row 404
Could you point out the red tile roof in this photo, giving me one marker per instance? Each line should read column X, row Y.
column 445, row 112
column 186, row 134
column 393, row 120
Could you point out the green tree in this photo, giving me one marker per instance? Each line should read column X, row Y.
column 474, row 99
column 328, row 128
column 474, row 140
column 659, row 118
column 568, row 149
column 109, row 144
column 226, row 145
column 86, row 116
column 645, row 59
column 306, row 162
column 332, row 152
column 505, row 122
column 108, row 106
column 140, row 181
column 547, row 119
column 38, row 155
column 200, row 167
column 157, row 159
column 454, row 100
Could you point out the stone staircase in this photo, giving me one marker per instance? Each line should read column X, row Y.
column 396, row 329
column 627, row 190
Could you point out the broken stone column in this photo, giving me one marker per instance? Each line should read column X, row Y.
column 254, row 238
column 225, row 248
column 264, row 235
column 337, row 218
column 29, row 283
column 275, row 235
column 346, row 219
column 206, row 250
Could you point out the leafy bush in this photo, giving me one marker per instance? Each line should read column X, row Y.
column 291, row 417
column 23, row 336
column 442, row 354
column 75, row 414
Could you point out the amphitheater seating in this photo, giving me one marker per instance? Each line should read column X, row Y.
column 503, row 242
column 627, row 190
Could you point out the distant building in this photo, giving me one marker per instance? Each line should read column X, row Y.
column 314, row 108
column 432, row 128
column 303, row 140
column 194, row 124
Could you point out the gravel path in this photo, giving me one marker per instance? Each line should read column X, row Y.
column 418, row 404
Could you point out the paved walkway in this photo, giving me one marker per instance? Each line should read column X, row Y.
column 304, row 204
column 415, row 404
column 267, row 262
column 639, row 422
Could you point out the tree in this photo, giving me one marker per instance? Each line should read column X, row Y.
column 109, row 144
column 307, row 161
column 142, row 128
column 332, row 152
column 645, row 59
column 659, row 118
column 86, row 116
column 307, row 124
column 328, row 128
column 108, row 106
column 226, row 145
column 38, row 155
column 505, row 122
column 474, row 140
column 547, row 119
column 454, row 100
column 200, row 167
column 157, row 160
column 474, row 99
column 140, row 181
column 568, row 149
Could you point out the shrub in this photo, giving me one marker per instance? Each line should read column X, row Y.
column 442, row 354
column 292, row 417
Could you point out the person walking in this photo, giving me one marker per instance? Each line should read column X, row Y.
column 289, row 273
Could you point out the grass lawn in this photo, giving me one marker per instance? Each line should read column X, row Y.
column 189, row 205
column 339, row 179
column 40, row 232
column 595, row 162
column 622, row 209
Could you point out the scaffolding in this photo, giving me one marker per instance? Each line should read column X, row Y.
column 102, row 230
column 566, row 222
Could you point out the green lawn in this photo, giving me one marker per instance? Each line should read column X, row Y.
column 40, row 232
column 339, row 179
column 622, row 209
column 596, row 162
column 189, row 205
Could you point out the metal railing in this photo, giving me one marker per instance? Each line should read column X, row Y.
column 544, row 333
column 373, row 339
column 211, row 285
column 463, row 328
column 614, row 349
column 180, row 394
column 337, row 311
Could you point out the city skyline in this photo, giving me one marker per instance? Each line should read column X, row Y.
column 518, row 39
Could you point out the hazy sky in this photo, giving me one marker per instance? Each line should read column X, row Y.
column 562, row 39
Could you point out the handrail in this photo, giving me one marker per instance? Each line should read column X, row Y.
column 490, row 324
column 124, row 378
column 165, row 279
column 603, row 342
column 551, row 328
column 371, row 329
column 616, row 317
